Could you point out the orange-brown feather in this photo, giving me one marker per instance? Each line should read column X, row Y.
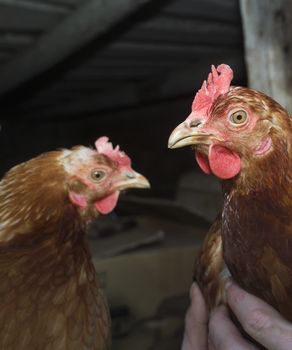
column 50, row 296
column 256, row 225
column 209, row 267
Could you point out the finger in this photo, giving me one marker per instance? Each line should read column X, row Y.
column 223, row 334
column 210, row 344
column 195, row 337
column 259, row 320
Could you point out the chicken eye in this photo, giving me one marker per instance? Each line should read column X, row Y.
column 97, row 175
column 238, row 117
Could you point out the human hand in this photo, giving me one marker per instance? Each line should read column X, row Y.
column 217, row 332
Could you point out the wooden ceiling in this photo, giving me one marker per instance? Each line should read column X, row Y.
column 65, row 58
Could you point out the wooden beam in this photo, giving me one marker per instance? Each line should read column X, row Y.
column 206, row 36
column 188, row 25
column 164, row 51
column 129, row 47
column 39, row 6
column 15, row 19
column 15, row 41
column 83, row 25
column 268, row 47
column 221, row 11
column 181, row 82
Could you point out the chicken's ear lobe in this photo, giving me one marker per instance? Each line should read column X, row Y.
column 78, row 199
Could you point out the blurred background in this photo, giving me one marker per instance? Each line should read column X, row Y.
column 74, row 70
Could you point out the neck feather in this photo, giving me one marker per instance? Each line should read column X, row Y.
column 34, row 201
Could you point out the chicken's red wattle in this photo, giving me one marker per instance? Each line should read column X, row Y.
column 203, row 162
column 107, row 204
column 221, row 161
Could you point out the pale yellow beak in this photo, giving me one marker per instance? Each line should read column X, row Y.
column 133, row 180
column 184, row 135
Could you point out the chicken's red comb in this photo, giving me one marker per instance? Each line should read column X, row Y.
column 218, row 83
column 103, row 146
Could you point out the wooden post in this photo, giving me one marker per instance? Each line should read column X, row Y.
column 267, row 28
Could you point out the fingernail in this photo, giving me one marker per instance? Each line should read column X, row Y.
column 228, row 283
column 193, row 291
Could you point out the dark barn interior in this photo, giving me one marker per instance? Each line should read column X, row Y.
column 74, row 70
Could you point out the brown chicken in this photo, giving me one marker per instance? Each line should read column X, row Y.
column 244, row 138
column 50, row 296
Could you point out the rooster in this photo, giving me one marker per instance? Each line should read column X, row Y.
column 244, row 138
column 50, row 296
